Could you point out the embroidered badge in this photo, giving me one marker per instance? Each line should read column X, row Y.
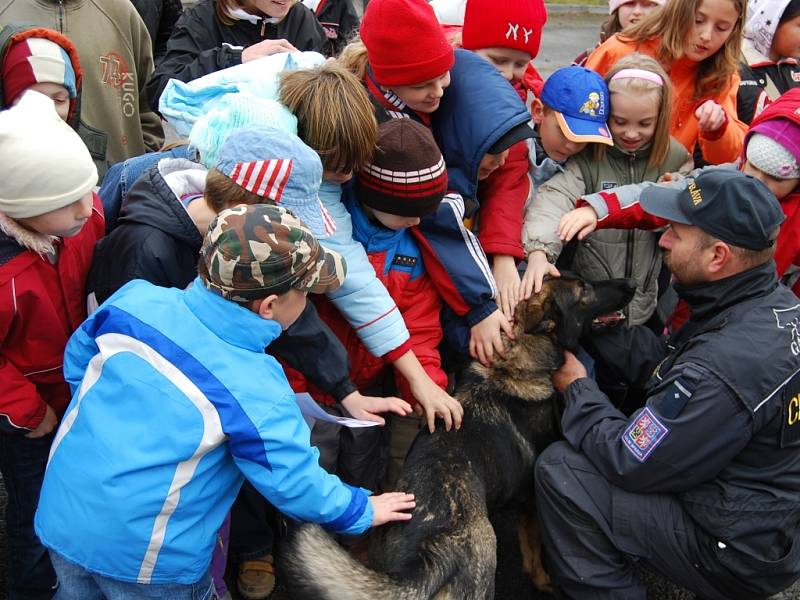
column 790, row 432
column 644, row 434
column 592, row 105
column 607, row 185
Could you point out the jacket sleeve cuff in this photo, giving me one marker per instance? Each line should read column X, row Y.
column 358, row 515
column 233, row 55
column 504, row 247
column 550, row 252
column 713, row 136
column 343, row 389
column 479, row 313
column 393, row 355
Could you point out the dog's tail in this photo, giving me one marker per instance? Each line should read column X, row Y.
column 319, row 568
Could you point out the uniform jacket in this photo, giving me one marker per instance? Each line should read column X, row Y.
column 174, row 404
column 397, row 264
column 362, row 299
column 156, row 240
column 202, row 44
column 116, row 58
column 41, row 304
column 723, row 145
column 609, row 253
column 722, row 438
column 763, row 80
column 339, row 20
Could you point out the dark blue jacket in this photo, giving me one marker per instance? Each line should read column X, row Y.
column 478, row 108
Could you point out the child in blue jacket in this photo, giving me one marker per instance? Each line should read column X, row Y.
column 175, row 404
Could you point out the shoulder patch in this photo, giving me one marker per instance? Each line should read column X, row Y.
column 675, row 397
column 790, row 431
column 644, row 434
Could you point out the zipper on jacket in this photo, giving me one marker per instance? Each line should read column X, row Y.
column 263, row 26
column 589, row 248
column 61, row 16
column 630, row 242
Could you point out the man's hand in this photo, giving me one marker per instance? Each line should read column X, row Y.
column 266, row 48
column 392, row 506
column 365, row 407
column 710, row 116
column 580, row 221
column 571, row 370
column 485, row 340
column 504, row 269
column 435, row 402
column 47, row 425
column 538, row 267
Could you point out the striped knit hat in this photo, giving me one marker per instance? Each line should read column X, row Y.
column 407, row 175
column 38, row 56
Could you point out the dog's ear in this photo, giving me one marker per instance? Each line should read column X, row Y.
column 569, row 320
column 534, row 315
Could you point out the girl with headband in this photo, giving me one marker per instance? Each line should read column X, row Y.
column 643, row 150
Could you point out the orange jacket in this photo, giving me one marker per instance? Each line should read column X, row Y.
column 721, row 146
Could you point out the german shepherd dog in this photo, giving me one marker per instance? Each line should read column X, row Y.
column 448, row 549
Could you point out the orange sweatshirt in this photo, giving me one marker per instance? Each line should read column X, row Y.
column 721, row 146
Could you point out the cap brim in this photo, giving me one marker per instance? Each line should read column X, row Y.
column 583, row 131
column 327, row 275
column 521, row 132
column 663, row 202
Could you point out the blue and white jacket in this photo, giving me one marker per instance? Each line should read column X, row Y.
column 174, row 403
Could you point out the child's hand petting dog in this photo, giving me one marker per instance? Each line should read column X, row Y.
column 485, row 339
column 580, row 221
column 504, row 269
column 435, row 402
column 538, row 267
column 391, row 506
column 365, row 407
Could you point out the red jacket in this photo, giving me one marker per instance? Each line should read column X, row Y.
column 41, row 304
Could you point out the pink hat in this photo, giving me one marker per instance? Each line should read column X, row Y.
column 515, row 24
column 615, row 4
column 405, row 43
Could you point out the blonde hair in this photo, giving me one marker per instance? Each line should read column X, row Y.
column 334, row 115
column 353, row 57
column 221, row 192
column 671, row 23
column 659, row 144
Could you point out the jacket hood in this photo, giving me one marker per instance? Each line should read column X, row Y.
column 478, row 108
column 762, row 21
column 785, row 107
column 155, row 199
column 14, row 33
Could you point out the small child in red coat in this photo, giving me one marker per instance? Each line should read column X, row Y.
column 50, row 220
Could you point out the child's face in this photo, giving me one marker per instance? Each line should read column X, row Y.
column 490, row 163
column 633, row 119
column 780, row 187
column 423, row 97
column 786, row 42
column 632, row 12
column 339, row 177
column 64, row 222
column 556, row 145
column 277, row 9
column 714, row 21
column 394, row 222
column 510, row 62
column 57, row 93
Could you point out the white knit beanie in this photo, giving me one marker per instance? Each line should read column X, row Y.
column 44, row 164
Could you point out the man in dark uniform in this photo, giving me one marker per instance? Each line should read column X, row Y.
column 702, row 484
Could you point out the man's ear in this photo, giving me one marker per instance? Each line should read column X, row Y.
column 537, row 111
column 721, row 258
column 266, row 309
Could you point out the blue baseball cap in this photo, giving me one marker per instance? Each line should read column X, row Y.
column 278, row 166
column 579, row 96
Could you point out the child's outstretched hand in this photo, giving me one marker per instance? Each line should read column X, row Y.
column 504, row 269
column 391, row 506
column 710, row 116
column 435, row 402
column 538, row 267
column 485, row 340
column 579, row 221
column 365, row 407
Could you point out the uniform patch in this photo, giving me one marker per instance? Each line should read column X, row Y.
column 674, row 399
column 644, row 434
column 404, row 261
column 790, row 431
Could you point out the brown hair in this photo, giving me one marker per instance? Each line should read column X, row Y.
column 659, row 144
column 223, row 9
column 221, row 193
column 334, row 115
column 671, row 23
column 610, row 26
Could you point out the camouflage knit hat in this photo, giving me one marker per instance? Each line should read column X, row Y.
column 253, row 251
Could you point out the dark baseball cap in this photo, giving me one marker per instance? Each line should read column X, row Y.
column 726, row 204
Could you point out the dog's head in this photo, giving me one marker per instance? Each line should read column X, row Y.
column 567, row 305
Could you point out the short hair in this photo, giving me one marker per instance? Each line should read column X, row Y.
column 222, row 192
column 749, row 258
column 791, row 11
column 334, row 115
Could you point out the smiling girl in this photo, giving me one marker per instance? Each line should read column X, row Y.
column 216, row 34
column 643, row 151
column 698, row 42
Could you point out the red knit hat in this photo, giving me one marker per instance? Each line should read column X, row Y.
column 515, row 24
column 405, row 43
